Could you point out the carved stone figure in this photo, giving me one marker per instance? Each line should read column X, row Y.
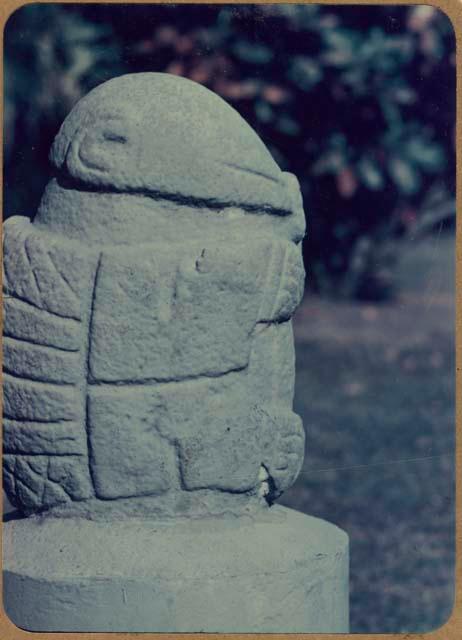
column 148, row 380
column 148, row 350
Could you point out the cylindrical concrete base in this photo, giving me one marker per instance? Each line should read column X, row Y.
column 281, row 572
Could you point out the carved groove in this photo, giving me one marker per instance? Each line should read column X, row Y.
column 14, row 295
column 253, row 172
column 8, row 336
column 35, row 381
column 29, row 378
column 198, row 203
column 87, row 375
column 52, row 454
column 146, row 382
column 6, row 416
column 63, row 277
column 32, row 271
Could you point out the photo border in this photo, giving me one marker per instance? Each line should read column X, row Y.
column 452, row 629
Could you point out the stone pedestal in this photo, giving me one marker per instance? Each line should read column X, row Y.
column 281, row 571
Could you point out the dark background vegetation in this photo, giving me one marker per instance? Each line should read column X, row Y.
column 359, row 103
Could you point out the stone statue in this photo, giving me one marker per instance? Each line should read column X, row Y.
column 148, row 348
column 148, row 351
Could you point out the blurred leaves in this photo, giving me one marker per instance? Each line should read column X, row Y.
column 304, row 72
column 358, row 102
column 50, row 59
column 252, row 53
column 405, row 175
column 370, row 173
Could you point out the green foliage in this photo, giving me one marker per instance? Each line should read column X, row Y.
column 357, row 101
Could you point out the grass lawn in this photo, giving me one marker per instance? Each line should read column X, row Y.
column 375, row 388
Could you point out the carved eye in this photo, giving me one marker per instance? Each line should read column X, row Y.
column 112, row 136
column 110, row 129
column 103, row 148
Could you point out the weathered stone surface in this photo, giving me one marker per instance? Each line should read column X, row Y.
column 180, row 314
column 46, row 285
column 52, row 438
column 112, row 226
column 128, row 457
column 222, row 428
column 284, row 444
column 35, row 481
column 282, row 572
column 148, row 346
column 30, row 400
column 43, row 364
column 41, row 273
column 23, row 322
column 271, row 372
column 284, row 283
